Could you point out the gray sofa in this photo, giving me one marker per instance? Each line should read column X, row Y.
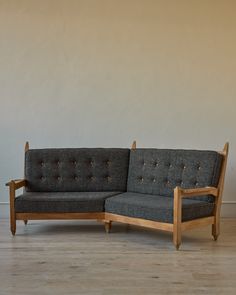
column 171, row 190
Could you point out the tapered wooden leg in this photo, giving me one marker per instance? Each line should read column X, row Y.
column 107, row 226
column 216, row 224
column 25, row 222
column 177, row 238
column 215, row 230
column 13, row 226
column 12, row 208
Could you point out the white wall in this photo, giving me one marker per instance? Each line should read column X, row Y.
column 104, row 72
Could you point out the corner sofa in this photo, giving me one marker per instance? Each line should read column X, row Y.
column 171, row 190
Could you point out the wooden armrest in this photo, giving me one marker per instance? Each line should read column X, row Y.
column 17, row 183
column 208, row 190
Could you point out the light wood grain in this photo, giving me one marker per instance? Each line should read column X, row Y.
column 197, row 223
column 26, row 146
column 139, row 221
column 177, row 217
column 107, row 226
column 17, row 183
column 12, row 207
column 199, row 192
column 133, row 147
column 59, row 216
column 216, row 224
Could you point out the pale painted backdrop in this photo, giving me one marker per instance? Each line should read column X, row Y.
column 100, row 73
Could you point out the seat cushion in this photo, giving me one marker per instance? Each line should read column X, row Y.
column 62, row 202
column 156, row 208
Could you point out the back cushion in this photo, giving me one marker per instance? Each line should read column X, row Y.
column 159, row 171
column 77, row 169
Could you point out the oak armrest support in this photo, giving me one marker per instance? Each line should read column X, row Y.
column 208, row 190
column 16, row 183
column 179, row 194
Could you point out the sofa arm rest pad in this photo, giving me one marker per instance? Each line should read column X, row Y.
column 185, row 193
column 16, row 183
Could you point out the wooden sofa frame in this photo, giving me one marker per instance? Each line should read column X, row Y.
column 177, row 227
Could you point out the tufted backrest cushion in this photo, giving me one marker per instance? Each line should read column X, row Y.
column 159, row 171
column 76, row 169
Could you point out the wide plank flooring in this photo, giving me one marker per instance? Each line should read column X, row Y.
column 78, row 257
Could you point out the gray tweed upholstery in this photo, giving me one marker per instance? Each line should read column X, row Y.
column 159, row 171
column 62, row 202
column 137, row 183
column 78, row 169
column 156, row 208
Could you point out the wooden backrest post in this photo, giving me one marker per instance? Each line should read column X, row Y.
column 133, row 147
column 26, row 149
column 225, row 153
column 216, row 227
column 26, row 146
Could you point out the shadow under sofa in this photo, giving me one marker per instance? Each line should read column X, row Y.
column 172, row 190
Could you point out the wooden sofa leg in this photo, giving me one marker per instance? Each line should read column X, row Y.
column 216, row 224
column 215, row 230
column 107, row 226
column 177, row 238
column 12, row 208
column 25, row 222
column 13, row 226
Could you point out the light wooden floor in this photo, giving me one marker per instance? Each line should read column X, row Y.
column 77, row 257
